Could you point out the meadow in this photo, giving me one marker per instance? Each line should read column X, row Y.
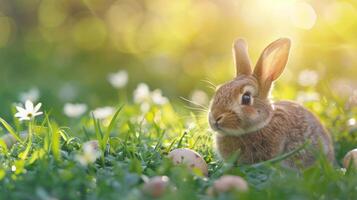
column 137, row 76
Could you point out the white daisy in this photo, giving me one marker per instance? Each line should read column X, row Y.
column 157, row 97
column 74, row 110
column 103, row 112
column 308, row 78
column 118, row 79
column 29, row 111
column 141, row 93
column 90, row 153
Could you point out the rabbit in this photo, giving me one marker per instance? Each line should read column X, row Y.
column 248, row 123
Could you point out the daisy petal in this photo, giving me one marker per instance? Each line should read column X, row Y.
column 24, row 118
column 29, row 105
column 18, row 108
column 37, row 107
column 37, row 114
column 19, row 114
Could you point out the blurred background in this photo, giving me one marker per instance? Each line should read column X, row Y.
column 97, row 51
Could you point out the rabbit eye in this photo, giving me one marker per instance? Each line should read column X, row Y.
column 246, row 99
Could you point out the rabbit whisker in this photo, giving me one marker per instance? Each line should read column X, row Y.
column 194, row 103
column 210, row 84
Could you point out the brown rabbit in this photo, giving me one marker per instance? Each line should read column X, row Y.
column 248, row 123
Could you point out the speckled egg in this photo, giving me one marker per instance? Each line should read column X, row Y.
column 350, row 156
column 228, row 183
column 190, row 158
column 156, row 186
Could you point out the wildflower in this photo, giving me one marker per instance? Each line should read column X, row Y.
column 143, row 96
column 351, row 122
column 157, row 97
column 308, row 78
column 29, row 111
column 199, row 97
column 33, row 94
column 90, row 153
column 118, row 79
column 103, row 112
column 74, row 110
column 303, row 97
column 141, row 93
column 145, row 107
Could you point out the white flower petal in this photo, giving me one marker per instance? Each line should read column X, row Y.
column 24, row 118
column 157, row 97
column 29, row 105
column 37, row 107
column 19, row 114
column 141, row 93
column 103, row 112
column 18, row 108
column 118, row 79
column 74, row 110
column 37, row 114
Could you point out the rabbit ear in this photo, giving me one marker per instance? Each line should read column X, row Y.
column 271, row 64
column 241, row 58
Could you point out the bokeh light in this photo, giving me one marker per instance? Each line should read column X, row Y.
column 76, row 44
column 303, row 15
column 51, row 13
column 5, row 30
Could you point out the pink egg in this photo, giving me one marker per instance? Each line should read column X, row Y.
column 190, row 158
column 228, row 183
column 156, row 186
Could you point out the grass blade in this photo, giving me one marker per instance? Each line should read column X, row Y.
column 283, row 156
column 55, row 139
column 10, row 130
column 98, row 131
column 111, row 125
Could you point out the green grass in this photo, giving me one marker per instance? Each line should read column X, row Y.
column 134, row 147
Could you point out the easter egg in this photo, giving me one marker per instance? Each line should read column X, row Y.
column 228, row 183
column 350, row 156
column 190, row 158
column 156, row 186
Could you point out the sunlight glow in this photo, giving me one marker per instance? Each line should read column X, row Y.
column 303, row 15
